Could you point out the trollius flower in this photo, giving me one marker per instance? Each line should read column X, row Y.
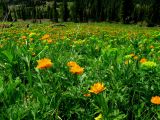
column 71, row 64
column 155, row 100
column 97, row 88
column 44, row 63
column 76, row 70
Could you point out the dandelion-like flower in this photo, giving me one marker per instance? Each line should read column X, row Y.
column 46, row 36
column 71, row 64
column 143, row 60
column 76, row 70
column 97, row 88
column 151, row 47
column 24, row 37
column 44, row 63
column 155, row 100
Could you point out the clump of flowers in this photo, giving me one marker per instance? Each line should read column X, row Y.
column 148, row 65
column 44, row 63
column 45, row 37
column 75, row 68
column 155, row 100
column 97, row 88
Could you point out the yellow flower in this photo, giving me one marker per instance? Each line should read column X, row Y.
column 99, row 117
column 71, row 64
column 155, row 100
column 76, row 69
column 44, row 63
column 46, row 36
column 135, row 57
column 132, row 54
column 97, row 88
column 143, row 60
column 151, row 47
column 148, row 65
column 23, row 37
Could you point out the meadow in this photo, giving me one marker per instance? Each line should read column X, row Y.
column 80, row 71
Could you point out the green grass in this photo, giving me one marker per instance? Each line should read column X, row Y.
column 109, row 53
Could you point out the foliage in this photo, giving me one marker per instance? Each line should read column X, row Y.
column 81, row 71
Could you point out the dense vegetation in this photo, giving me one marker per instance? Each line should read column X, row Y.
column 127, row 11
column 80, row 71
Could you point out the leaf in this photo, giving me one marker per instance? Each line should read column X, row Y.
column 8, row 54
column 1, row 85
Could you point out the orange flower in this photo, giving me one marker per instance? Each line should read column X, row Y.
column 143, row 60
column 46, row 36
column 23, row 37
column 71, row 64
column 76, row 69
column 87, row 95
column 49, row 41
column 155, row 100
column 44, row 63
column 151, row 46
column 97, row 88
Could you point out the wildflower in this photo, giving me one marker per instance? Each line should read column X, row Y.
column 143, row 60
column 97, row 88
column 148, row 65
column 71, row 64
column 135, row 57
column 76, row 69
column 46, row 36
column 49, row 41
column 32, row 35
column 24, row 37
column 99, row 117
column 44, row 63
column 155, row 100
column 87, row 95
column 151, row 47
column 132, row 54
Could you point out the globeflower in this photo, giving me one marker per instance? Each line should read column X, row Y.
column 155, row 100
column 44, row 63
column 143, row 60
column 148, row 65
column 71, row 64
column 97, row 88
column 46, row 36
column 76, row 70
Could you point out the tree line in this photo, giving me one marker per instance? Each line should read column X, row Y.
column 126, row 11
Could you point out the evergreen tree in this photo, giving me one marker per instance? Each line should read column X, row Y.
column 65, row 11
column 155, row 13
column 55, row 16
column 126, row 11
